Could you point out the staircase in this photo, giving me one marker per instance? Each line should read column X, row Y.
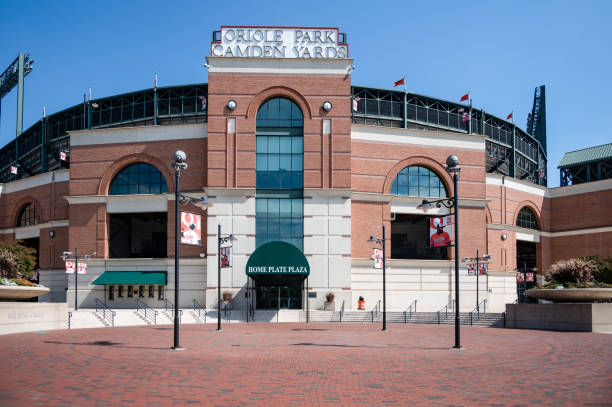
column 493, row 320
column 266, row 316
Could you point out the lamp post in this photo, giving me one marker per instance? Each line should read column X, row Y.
column 485, row 259
column 452, row 166
column 179, row 164
column 220, row 241
column 381, row 241
column 68, row 256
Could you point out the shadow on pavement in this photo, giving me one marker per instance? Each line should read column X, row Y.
column 361, row 346
column 101, row 343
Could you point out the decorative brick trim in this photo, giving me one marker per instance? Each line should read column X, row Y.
column 123, row 162
column 423, row 161
column 279, row 91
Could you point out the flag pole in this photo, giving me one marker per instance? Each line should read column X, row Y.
column 470, row 116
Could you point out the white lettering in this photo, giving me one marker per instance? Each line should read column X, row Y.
column 230, row 35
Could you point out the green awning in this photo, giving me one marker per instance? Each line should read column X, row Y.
column 277, row 258
column 131, row 277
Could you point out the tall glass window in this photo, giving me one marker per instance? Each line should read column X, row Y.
column 138, row 178
column 280, row 173
column 418, row 181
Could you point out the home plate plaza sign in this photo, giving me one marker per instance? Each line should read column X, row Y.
column 277, row 258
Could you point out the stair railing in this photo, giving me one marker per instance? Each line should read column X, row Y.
column 145, row 311
column 70, row 317
column 197, row 307
column 409, row 311
column 342, row 311
column 376, row 311
column 107, row 313
column 475, row 313
column 170, row 307
column 227, row 313
column 443, row 310
column 252, row 312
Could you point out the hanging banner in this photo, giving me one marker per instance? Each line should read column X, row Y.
column 530, row 277
column 191, row 229
column 471, row 269
column 82, row 268
column 378, row 259
column 440, row 231
column 483, row 268
column 226, row 254
column 519, row 277
column 69, row 267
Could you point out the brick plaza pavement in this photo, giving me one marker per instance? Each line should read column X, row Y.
column 298, row 364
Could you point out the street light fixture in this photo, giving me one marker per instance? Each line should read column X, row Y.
column 486, row 258
column 68, row 256
column 452, row 166
column 381, row 241
column 179, row 164
column 220, row 240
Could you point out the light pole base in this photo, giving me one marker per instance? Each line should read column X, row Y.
column 457, row 348
column 219, row 330
column 178, row 348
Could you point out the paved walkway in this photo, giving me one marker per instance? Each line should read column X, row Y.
column 299, row 364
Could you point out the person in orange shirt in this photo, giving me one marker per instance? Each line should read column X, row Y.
column 440, row 238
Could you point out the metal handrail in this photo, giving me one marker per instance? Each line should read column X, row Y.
column 225, row 309
column 445, row 310
column 199, row 308
column 170, row 307
column 376, row 311
column 107, row 313
column 69, row 318
column 409, row 311
column 476, row 311
column 342, row 311
column 147, row 312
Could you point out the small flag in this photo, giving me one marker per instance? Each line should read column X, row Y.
column 400, row 82
column 509, row 116
column 530, row 277
column 62, row 156
column 483, row 268
column 519, row 277
column 541, row 173
column 465, row 97
column 13, row 170
column 354, row 105
column 464, row 117
column 69, row 267
column 471, row 269
column 203, row 102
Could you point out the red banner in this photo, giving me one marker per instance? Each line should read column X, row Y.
column 519, row 277
column 440, row 231
column 378, row 261
column 226, row 254
column 191, row 229
column 69, row 267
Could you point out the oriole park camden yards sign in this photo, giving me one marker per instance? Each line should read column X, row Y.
column 279, row 42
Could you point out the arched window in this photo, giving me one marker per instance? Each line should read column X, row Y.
column 418, row 181
column 527, row 219
column 138, row 178
column 28, row 215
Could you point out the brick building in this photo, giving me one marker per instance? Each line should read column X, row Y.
column 287, row 149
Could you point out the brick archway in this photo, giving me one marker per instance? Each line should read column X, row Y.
column 123, row 162
column 422, row 161
column 279, row 91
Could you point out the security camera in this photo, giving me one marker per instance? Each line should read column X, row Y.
column 180, row 156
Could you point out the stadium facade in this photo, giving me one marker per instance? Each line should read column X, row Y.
column 288, row 150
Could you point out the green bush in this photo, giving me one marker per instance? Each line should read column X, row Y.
column 16, row 260
column 571, row 271
column 604, row 268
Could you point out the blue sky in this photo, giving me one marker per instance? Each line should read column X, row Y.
column 500, row 51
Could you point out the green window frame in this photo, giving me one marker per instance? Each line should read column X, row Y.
column 139, row 178
column 416, row 180
column 527, row 219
